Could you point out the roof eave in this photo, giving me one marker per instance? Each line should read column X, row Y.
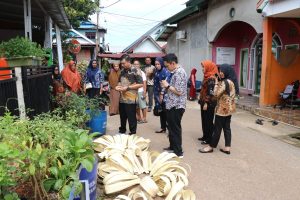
column 56, row 11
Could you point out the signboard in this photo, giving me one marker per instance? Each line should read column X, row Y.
column 225, row 55
column 74, row 46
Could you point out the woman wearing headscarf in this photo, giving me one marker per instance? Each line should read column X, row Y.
column 93, row 80
column 114, row 96
column 159, row 93
column 232, row 76
column 207, row 100
column 193, row 84
column 225, row 92
column 71, row 77
column 57, row 82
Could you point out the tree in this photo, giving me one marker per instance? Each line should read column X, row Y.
column 79, row 10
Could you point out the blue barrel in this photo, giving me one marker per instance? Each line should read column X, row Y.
column 91, row 179
column 98, row 122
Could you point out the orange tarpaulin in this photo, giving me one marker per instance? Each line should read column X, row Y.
column 4, row 64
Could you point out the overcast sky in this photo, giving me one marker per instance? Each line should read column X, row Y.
column 122, row 31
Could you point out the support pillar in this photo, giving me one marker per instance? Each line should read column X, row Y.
column 48, row 32
column 27, row 19
column 266, row 62
column 20, row 93
column 59, row 48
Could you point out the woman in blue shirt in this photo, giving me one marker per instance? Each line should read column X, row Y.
column 93, row 80
column 161, row 74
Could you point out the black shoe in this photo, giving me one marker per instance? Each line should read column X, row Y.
column 204, row 142
column 259, row 121
column 161, row 131
column 201, row 139
column 226, row 152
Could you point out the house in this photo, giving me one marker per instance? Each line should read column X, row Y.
column 223, row 31
column 87, row 46
column 143, row 47
column 280, row 44
column 33, row 19
column 89, row 30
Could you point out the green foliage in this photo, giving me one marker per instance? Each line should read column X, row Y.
column 21, row 46
column 48, row 148
column 79, row 10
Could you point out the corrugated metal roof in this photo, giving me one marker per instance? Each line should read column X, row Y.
column 56, row 11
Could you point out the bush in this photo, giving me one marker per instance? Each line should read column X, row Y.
column 20, row 46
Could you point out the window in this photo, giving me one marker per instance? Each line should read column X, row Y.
column 90, row 35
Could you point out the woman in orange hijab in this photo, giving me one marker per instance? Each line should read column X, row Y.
column 207, row 100
column 72, row 77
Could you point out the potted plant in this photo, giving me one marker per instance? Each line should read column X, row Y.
column 21, row 51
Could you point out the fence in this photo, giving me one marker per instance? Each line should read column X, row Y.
column 36, row 83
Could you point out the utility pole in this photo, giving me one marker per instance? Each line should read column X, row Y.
column 97, row 31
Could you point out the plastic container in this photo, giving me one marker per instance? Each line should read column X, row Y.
column 98, row 122
column 89, row 181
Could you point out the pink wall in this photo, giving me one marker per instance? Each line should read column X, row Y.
column 237, row 34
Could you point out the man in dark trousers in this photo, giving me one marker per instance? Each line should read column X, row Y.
column 176, row 95
column 129, row 83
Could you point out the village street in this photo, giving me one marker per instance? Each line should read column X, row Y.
column 259, row 167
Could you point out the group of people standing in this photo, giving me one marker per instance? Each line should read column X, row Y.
column 70, row 80
column 166, row 84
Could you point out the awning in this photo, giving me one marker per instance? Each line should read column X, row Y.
column 133, row 55
column 165, row 33
column 56, row 11
column 12, row 14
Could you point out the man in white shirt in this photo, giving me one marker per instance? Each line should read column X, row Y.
column 142, row 105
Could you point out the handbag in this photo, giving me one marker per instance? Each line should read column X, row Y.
column 88, row 86
column 156, row 111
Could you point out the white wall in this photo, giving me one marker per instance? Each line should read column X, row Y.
column 196, row 48
column 218, row 15
column 147, row 46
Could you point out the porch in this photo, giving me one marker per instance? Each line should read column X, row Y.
column 285, row 115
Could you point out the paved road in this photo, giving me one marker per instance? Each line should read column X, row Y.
column 259, row 167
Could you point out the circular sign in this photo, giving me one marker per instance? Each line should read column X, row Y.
column 74, row 47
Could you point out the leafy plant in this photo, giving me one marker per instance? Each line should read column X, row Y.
column 20, row 46
column 45, row 151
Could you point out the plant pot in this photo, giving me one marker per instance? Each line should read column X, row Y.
column 24, row 61
column 98, row 121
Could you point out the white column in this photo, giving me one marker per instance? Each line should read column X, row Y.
column 20, row 92
column 48, row 32
column 59, row 48
column 27, row 19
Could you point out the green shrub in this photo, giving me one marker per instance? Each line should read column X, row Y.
column 20, row 46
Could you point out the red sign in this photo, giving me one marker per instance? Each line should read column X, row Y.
column 75, row 46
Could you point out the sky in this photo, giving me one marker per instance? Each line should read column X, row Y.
column 122, row 31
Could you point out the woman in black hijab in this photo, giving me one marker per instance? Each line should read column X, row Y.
column 231, row 75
